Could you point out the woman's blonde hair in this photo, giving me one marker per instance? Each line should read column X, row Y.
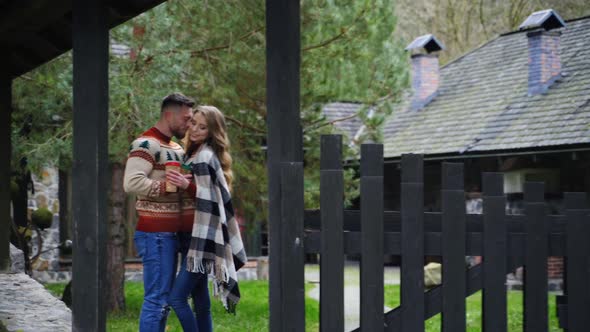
column 217, row 139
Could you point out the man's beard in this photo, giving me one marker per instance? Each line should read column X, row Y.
column 178, row 133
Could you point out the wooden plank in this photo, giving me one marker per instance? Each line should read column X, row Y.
column 494, row 318
column 90, row 165
column 332, row 251
column 578, row 262
column 433, row 297
column 5, row 168
column 412, row 244
column 535, row 285
column 284, row 137
column 453, row 248
column 292, row 260
column 371, row 237
column 433, row 222
column 432, row 243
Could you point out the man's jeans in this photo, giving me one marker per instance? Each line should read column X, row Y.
column 158, row 255
column 194, row 284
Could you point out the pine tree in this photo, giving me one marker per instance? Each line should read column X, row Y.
column 168, row 156
column 157, row 156
column 145, row 145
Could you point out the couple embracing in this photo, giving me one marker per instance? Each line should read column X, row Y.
column 184, row 210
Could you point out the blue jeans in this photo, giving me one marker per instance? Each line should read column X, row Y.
column 158, row 255
column 194, row 284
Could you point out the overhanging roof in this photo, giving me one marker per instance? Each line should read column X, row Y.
column 33, row 32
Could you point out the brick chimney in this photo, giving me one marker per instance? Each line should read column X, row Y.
column 425, row 69
column 543, row 44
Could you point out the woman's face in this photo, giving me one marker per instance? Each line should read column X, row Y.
column 198, row 131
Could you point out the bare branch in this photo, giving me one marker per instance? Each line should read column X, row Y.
column 245, row 125
column 329, row 123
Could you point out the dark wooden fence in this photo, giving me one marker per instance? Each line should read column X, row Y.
column 412, row 233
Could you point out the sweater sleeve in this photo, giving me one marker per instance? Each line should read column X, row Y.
column 140, row 164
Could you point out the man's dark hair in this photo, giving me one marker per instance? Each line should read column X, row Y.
column 176, row 99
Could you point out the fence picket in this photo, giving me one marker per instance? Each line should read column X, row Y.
column 578, row 262
column 535, row 285
column 372, row 237
column 494, row 250
column 453, row 248
column 332, row 245
column 292, row 260
column 412, row 244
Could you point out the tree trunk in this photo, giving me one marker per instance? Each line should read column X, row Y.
column 116, row 245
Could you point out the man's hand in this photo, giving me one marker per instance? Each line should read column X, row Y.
column 178, row 179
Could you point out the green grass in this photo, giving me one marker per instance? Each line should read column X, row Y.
column 252, row 312
column 473, row 308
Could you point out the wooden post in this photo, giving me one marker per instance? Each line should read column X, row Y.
column 535, row 268
column 90, row 180
column 332, row 246
column 284, row 138
column 494, row 250
column 453, row 248
column 412, row 224
column 6, row 148
column 372, row 237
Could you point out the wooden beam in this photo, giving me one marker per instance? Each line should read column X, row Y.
column 284, row 138
column 32, row 43
column 90, row 167
column 6, row 148
column 32, row 15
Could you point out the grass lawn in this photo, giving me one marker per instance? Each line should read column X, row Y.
column 473, row 308
column 252, row 312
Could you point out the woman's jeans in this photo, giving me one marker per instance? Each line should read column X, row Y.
column 194, row 284
column 158, row 255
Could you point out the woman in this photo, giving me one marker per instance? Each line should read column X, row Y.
column 215, row 244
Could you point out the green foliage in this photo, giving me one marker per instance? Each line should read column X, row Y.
column 42, row 218
column 215, row 51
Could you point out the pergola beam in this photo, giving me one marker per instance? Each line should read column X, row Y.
column 90, row 167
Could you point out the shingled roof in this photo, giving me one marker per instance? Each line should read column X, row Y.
column 344, row 110
column 483, row 105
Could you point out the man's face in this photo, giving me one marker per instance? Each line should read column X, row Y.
column 178, row 120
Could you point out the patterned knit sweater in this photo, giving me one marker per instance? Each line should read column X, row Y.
column 145, row 176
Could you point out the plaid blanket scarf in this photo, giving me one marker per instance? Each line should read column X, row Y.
column 216, row 246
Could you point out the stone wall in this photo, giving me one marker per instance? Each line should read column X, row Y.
column 46, row 196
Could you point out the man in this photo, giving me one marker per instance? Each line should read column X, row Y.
column 160, row 214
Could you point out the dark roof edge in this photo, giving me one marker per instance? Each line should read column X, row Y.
column 500, row 153
column 502, row 35
column 535, row 28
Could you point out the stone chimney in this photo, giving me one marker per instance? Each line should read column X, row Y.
column 425, row 69
column 544, row 61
